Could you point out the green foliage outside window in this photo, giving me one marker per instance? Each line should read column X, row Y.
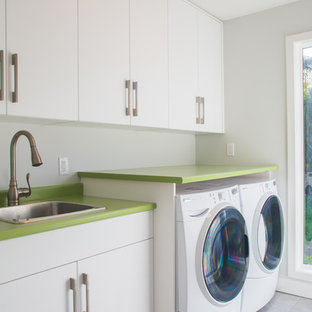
column 308, row 260
column 308, row 216
column 307, row 89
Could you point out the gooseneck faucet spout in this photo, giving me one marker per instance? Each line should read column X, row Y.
column 15, row 193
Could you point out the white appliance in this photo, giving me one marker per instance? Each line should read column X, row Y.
column 211, row 250
column 263, row 212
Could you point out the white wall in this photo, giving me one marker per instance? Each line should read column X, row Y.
column 255, row 93
column 90, row 149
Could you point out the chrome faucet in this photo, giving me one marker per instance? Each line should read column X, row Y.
column 15, row 193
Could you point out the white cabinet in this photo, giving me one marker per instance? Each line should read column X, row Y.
column 210, row 69
column 48, row 291
column 2, row 58
column 195, row 69
column 119, row 280
column 103, row 60
column 42, row 59
column 183, row 76
column 149, row 62
column 110, row 263
column 123, row 62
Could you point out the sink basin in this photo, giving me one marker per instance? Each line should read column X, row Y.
column 43, row 211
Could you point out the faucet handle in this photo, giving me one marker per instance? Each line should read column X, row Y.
column 23, row 191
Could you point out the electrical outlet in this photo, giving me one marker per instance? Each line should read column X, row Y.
column 63, row 165
column 230, row 149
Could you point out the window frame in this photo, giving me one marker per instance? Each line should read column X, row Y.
column 295, row 154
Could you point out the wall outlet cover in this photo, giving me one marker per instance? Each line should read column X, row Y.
column 63, row 165
column 230, row 149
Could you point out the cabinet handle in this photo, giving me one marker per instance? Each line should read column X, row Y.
column 135, row 98
column 15, row 64
column 202, row 101
column 2, row 75
column 198, row 110
column 85, row 281
column 128, row 97
column 72, row 286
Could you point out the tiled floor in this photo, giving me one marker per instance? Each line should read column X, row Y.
column 287, row 303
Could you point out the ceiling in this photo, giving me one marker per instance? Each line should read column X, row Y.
column 228, row 9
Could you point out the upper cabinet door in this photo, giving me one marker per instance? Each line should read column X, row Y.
column 210, row 72
column 183, row 65
column 104, row 61
column 2, row 59
column 149, row 62
column 195, row 69
column 43, row 36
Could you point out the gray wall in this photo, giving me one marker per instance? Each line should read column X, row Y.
column 255, row 91
column 90, row 149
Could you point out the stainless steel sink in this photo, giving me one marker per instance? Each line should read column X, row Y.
column 43, row 211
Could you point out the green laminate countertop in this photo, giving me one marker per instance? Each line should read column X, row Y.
column 69, row 193
column 178, row 174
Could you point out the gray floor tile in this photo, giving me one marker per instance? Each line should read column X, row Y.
column 303, row 305
column 288, row 303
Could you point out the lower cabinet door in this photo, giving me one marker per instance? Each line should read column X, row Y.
column 119, row 280
column 47, row 291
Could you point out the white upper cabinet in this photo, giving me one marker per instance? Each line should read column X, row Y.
column 149, row 62
column 183, row 76
column 103, row 60
column 42, row 59
column 210, row 73
column 123, row 62
column 195, row 69
column 2, row 59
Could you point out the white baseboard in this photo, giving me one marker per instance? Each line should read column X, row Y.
column 294, row 287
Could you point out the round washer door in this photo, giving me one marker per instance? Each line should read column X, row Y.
column 269, row 232
column 224, row 256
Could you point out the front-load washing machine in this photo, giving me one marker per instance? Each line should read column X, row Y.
column 211, row 250
column 262, row 210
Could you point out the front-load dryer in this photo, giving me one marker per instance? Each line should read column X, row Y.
column 211, row 250
column 262, row 210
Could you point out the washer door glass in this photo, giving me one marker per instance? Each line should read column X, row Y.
column 225, row 255
column 272, row 219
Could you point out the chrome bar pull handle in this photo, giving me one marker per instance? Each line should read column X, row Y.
column 15, row 92
column 135, row 98
column 2, row 75
column 128, row 95
column 202, row 101
column 72, row 286
column 85, row 281
column 198, row 110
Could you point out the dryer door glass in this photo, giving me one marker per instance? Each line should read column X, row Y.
column 272, row 218
column 225, row 255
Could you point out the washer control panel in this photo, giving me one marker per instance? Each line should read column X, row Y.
column 199, row 202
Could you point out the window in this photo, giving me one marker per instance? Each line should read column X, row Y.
column 299, row 123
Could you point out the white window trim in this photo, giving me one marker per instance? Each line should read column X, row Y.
column 295, row 153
